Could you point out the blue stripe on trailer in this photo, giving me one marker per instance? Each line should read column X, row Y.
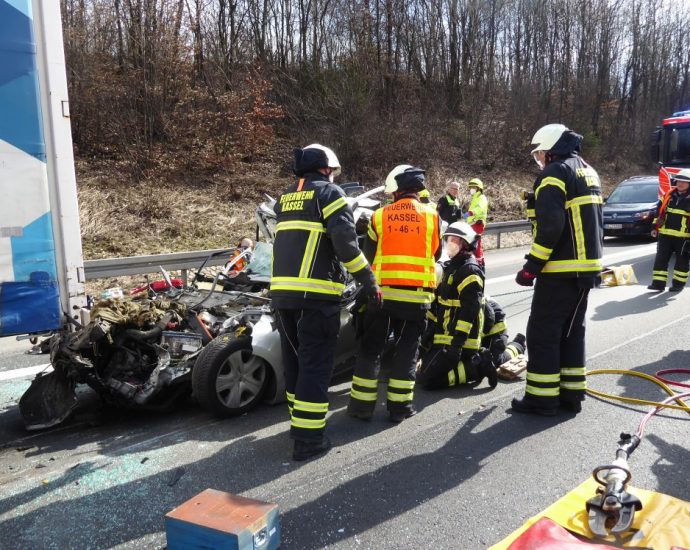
column 20, row 110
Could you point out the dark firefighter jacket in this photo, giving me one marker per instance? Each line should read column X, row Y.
column 568, row 224
column 448, row 209
column 494, row 320
column 674, row 210
column 458, row 313
column 314, row 234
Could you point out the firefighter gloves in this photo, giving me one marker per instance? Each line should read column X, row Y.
column 525, row 278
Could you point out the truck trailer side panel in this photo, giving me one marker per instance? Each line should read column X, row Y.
column 41, row 268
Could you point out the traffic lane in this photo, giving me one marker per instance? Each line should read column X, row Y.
column 613, row 313
column 504, row 262
column 13, row 355
column 456, row 472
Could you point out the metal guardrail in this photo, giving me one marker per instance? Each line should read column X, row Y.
column 184, row 261
column 506, row 227
column 137, row 265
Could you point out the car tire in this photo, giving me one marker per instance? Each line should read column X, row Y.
column 228, row 379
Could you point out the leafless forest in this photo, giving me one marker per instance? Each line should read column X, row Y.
column 206, row 90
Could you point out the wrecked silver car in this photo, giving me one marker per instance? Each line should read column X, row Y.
column 216, row 339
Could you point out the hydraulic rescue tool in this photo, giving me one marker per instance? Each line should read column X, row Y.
column 613, row 509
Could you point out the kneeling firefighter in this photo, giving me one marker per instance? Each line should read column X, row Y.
column 402, row 243
column 457, row 316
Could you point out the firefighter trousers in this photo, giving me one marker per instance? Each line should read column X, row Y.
column 308, row 338
column 439, row 371
column 479, row 251
column 666, row 247
column 378, row 324
column 556, row 342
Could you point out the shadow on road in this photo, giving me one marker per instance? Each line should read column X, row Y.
column 391, row 490
column 670, row 467
column 645, row 301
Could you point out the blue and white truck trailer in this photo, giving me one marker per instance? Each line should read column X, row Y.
column 41, row 264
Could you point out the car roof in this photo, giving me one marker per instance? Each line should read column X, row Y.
column 641, row 180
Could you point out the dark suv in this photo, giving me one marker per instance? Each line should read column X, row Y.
column 631, row 208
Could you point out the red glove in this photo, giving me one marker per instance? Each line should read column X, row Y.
column 525, row 278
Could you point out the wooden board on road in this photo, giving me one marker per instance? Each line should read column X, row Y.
column 510, row 370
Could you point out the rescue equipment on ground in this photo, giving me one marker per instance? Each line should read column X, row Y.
column 611, row 515
column 618, row 275
column 214, row 519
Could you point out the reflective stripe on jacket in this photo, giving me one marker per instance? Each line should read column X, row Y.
column 314, row 234
column 568, row 223
column 458, row 312
column 674, row 210
column 406, row 234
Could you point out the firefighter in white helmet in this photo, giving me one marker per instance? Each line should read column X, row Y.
column 402, row 244
column 457, row 318
column 315, row 243
column 565, row 260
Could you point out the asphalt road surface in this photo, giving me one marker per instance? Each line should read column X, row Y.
column 463, row 473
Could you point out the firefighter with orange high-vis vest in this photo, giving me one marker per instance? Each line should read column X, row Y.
column 402, row 245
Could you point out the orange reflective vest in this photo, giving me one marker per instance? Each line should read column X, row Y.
column 407, row 238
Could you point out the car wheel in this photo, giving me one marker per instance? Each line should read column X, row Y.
column 228, row 379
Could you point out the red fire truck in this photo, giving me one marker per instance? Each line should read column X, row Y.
column 671, row 147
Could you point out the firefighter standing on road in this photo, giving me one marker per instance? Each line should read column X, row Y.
column 672, row 229
column 448, row 206
column 565, row 260
column 457, row 318
column 315, row 232
column 402, row 244
column 477, row 213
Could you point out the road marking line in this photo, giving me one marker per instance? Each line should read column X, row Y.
column 26, row 371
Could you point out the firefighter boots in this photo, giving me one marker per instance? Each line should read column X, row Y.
column 398, row 416
column 526, row 406
column 304, row 450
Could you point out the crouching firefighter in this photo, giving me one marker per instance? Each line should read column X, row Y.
column 402, row 243
column 457, row 318
column 494, row 336
column 315, row 232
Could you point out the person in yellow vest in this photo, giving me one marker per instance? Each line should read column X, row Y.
column 476, row 214
column 672, row 230
column 402, row 244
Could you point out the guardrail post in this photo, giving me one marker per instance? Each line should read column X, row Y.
column 183, row 274
column 498, row 240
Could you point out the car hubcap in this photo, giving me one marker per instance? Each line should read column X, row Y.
column 240, row 379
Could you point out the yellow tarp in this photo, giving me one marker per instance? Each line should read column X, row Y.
column 663, row 522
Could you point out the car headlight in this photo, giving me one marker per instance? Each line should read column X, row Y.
column 646, row 215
